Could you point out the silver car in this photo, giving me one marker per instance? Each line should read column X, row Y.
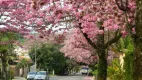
column 31, row 75
column 42, row 75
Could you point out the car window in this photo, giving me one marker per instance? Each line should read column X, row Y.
column 32, row 73
column 41, row 73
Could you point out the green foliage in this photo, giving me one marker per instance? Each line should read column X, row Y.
column 128, row 59
column 95, row 71
column 11, row 74
column 6, row 50
column 114, row 71
column 22, row 63
column 5, row 38
column 124, row 46
column 128, row 66
column 94, row 68
column 49, row 57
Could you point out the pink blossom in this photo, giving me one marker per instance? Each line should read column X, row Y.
column 59, row 16
column 100, row 32
column 29, row 16
column 132, row 5
column 133, row 30
column 41, row 14
column 116, row 27
column 40, row 22
column 124, row 33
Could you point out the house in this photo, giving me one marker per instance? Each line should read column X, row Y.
column 16, row 65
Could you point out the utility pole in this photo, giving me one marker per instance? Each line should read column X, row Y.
column 35, row 49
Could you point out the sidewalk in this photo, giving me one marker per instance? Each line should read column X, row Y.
column 19, row 78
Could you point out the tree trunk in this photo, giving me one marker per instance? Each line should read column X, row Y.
column 4, row 68
column 137, row 74
column 102, row 65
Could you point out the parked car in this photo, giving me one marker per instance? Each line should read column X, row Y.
column 85, row 71
column 65, row 73
column 31, row 75
column 42, row 75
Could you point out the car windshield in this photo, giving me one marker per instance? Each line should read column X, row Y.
column 41, row 73
column 32, row 73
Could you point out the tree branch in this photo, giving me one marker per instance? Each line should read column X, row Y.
column 115, row 39
column 118, row 5
column 88, row 39
column 121, row 6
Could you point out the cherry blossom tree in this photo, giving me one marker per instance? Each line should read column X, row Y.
column 11, row 28
column 12, row 14
column 93, row 18
column 77, row 48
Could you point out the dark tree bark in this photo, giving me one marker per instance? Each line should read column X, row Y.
column 137, row 73
column 4, row 66
column 102, row 65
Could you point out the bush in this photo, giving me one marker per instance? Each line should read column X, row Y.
column 114, row 71
column 11, row 75
column 128, row 66
column 95, row 70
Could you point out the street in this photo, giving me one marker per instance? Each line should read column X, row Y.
column 60, row 78
column 67, row 78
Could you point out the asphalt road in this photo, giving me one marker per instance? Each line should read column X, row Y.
column 75, row 77
column 67, row 78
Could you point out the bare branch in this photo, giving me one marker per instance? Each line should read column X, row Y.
column 113, row 40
